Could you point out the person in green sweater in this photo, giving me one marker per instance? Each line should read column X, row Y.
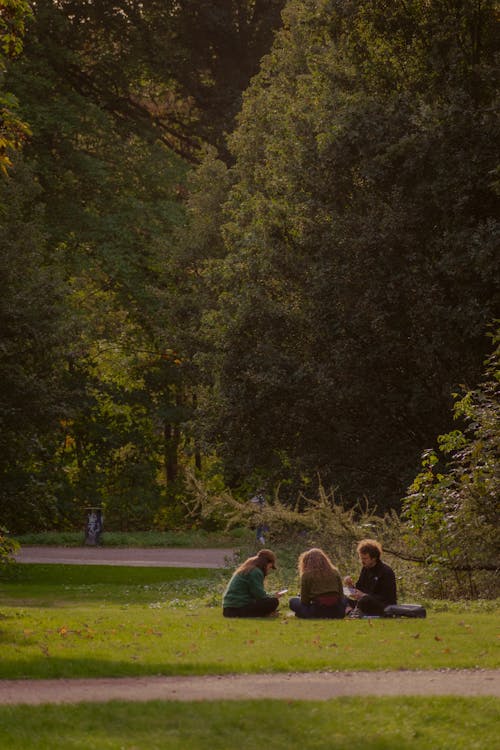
column 321, row 593
column 245, row 595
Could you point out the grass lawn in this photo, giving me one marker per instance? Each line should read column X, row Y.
column 376, row 724
column 89, row 621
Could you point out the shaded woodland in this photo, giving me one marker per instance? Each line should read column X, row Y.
column 256, row 241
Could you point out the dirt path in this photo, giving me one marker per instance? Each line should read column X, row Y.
column 310, row 686
column 135, row 556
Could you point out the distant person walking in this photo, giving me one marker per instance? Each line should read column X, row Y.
column 375, row 588
column 259, row 500
column 245, row 595
column 321, row 594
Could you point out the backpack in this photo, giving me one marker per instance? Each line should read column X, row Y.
column 405, row 610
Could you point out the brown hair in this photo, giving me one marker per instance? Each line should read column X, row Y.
column 370, row 547
column 315, row 559
column 261, row 560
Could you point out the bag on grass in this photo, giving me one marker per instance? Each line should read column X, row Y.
column 405, row 610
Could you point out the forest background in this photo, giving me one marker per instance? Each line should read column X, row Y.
column 252, row 244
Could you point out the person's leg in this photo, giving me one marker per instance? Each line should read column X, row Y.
column 259, row 608
column 335, row 612
column 301, row 610
column 370, row 605
column 259, row 534
column 263, row 607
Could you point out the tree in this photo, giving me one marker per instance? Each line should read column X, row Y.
column 172, row 69
column 106, row 202
column 13, row 14
column 360, row 235
column 115, row 96
column 36, row 327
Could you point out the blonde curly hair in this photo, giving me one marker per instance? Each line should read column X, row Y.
column 315, row 559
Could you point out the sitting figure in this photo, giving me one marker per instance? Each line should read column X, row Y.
column 375, row 588
column 245, row 595
column 320, row 587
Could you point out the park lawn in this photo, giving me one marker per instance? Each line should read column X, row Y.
column 436, row 723
column 107, row 621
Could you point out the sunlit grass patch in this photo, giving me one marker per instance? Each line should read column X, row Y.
column 78, row 621
column 170, row 635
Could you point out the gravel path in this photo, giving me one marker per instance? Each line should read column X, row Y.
column 308, row 686
column 136, row 556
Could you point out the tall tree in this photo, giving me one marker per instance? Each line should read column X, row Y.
column 174, row 68
column 116, row 95
column 361, row 270
column 36, row 328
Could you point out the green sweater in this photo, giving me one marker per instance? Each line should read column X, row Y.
column 244, row 588
column 313, row 584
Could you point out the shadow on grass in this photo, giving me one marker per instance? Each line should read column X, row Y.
column 377, row 724
column 49, row 667
column 60, row 575
column 66, row 586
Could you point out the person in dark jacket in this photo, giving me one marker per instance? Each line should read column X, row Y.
column 245, row 595
column 375, row 588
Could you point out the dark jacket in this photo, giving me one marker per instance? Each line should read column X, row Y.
column 379, row 582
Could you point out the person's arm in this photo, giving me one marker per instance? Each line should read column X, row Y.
column 359, row 587
column 305, row 589
column 256, row 584
column 359, row 582
column 338, row 584
column 386, row 588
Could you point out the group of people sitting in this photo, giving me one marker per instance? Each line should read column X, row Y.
column 322, row 592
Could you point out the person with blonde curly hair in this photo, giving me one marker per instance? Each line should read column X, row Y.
column 321, row 594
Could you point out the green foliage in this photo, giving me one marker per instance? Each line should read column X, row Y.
column 360, row 271
column 13, row 131
column 8, row 547
column 113, row 96
column 35, row 330
column 107, row 199
column 452, row 506
column 306, row 310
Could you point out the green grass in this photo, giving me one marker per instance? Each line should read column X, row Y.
column 377, row 724
column 67, row 585
column 188, row 538
column 84, row 621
